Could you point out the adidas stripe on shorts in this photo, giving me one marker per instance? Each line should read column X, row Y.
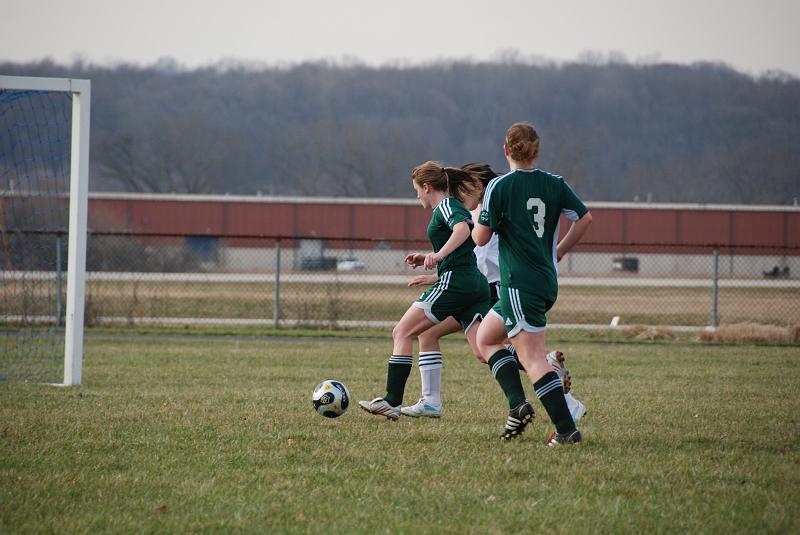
column 521, row 311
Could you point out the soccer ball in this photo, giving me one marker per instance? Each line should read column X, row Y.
column 330, row 398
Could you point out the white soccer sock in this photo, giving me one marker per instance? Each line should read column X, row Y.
column 572, row 403
column 430, row 372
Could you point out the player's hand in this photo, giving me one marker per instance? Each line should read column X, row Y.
column 431, row 259
column 422, row 280
column 415, row 259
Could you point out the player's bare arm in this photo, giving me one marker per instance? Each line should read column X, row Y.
column 423, row 280
column 481, row 234
column 459, row 236
column 415, row 260
column 573, row 235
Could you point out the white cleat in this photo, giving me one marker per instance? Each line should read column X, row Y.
column 380, row 407
column 556, row 360
column 422, row 409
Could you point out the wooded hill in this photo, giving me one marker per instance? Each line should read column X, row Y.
column 615, row 131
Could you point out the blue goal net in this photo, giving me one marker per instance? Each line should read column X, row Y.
column 35, row 149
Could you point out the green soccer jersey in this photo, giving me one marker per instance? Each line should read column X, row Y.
column 523, row 208
column 446, row 215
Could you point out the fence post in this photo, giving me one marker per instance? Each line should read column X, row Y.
column 276, row 306
column 59, row 281
column 714, row 287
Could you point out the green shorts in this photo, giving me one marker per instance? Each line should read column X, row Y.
column 521, row 311
column 461, row 294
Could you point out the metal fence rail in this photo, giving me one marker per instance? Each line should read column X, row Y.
column 290, row 281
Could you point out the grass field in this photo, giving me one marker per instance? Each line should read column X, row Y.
column 217, row 435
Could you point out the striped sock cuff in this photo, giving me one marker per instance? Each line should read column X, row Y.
column 430, row 360
column 511, row 349
column 548, row 387
column 502, row 362
column 500, row 359
column 401, row 359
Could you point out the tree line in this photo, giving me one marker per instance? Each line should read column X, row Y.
column 616, row 131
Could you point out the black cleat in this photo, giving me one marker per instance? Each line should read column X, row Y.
column 518, row 418
column 556, row 439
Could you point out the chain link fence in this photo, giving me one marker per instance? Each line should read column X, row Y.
column 135, row 280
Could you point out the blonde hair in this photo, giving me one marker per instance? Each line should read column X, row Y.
column 452, row 180
column 522, row 142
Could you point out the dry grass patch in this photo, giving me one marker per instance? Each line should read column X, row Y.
column 752, row 332
column 633, row 332
column 644, row 332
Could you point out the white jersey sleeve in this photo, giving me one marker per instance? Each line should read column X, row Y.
column 488, row 257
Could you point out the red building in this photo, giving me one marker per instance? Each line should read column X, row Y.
column 260, row 221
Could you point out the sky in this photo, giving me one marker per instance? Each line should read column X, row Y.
column 752, row 36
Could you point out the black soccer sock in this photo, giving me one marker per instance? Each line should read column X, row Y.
column 396, row 377
column 513, row 351
column 505, row 371
column 551, row 393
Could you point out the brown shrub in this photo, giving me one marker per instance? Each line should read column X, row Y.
column 794, row 333
column 751, row 332
column 633, row 331
column 656, row 333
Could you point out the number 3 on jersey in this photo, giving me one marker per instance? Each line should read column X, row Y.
column 538, row 215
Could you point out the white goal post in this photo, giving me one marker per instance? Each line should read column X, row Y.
column 80, row 91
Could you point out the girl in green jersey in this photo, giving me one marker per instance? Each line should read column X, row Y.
column 523, row 207
column 461, row 291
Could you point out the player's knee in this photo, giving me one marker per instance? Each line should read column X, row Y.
column 427, row 340
column 401, row 333
column 396, row 332
column 482, row 351
column 483, row 343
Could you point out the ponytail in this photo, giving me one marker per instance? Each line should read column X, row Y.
column 452, row 180
column 483, row 170
column 461, row 182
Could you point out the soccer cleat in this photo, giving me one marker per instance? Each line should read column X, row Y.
column 380, row 407
column 422, row 409
column 556, row 360
column 518, row 418
column 556, row 439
